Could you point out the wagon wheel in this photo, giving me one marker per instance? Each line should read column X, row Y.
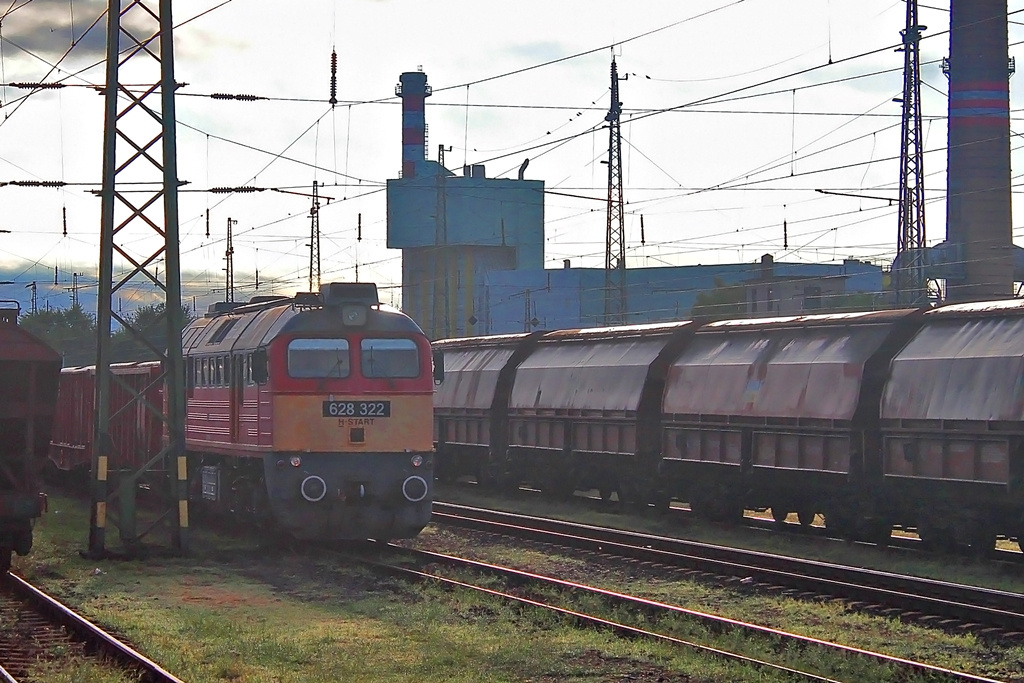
column 937, row 539
column 5, row 558
column 806, row 516
column 839, row 524
column 779, row 514
column 659, row 503
column 559, row 486
column 982, row 540
column 877, row 531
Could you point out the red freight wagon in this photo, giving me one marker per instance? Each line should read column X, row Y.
column 136, row 432
column 28, row 392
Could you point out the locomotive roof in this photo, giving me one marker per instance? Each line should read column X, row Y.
column 255, row 324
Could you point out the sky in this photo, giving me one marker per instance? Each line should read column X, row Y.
column 737, row 114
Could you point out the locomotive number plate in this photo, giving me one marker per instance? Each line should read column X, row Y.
column 357, row 408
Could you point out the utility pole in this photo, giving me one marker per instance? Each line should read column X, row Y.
column 74, row 290
column 33, row 306
column 909, row 281
column 314, row 241
column 139, row 38
column 615, row 236
column 229, row 256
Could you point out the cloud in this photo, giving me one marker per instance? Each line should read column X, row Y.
column 41, row 35
column 44, row 31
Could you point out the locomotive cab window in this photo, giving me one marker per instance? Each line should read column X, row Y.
column 318, row 358
column 389, row 358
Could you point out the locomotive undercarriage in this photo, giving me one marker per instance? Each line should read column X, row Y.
column 329, row 496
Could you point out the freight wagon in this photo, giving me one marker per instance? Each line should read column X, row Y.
column 904, row 418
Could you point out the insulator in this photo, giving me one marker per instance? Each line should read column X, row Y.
column 334, row 78
column 38, row 86
column 37, row 183
column 228, row 96
column 229, row 190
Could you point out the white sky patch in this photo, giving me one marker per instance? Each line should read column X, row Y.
column 713, row 181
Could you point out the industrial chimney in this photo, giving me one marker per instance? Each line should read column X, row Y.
column 978, row 220
column 413, row 89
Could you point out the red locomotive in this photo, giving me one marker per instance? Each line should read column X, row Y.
column 310, row 411
column 28, row 393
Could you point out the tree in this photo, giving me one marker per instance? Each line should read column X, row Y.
column 149, row 321
column 724, row 301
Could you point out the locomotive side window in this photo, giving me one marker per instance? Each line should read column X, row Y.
column 203, row 370
column 318, row 358
column 389, row 358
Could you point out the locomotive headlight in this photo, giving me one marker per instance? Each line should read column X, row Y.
column 416, row 460
column 295, row 461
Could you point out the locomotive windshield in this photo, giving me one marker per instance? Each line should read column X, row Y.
column 318, row 358
column 389, row 358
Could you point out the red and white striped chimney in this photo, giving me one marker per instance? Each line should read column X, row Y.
column 413, row 89
column 978, row 220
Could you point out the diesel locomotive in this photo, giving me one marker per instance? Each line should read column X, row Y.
column 904, row 418
column 310, row 412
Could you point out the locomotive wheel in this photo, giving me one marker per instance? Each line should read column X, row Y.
column 806, row 516
column 5, row 559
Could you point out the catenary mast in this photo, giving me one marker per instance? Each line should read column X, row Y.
column 909, row 281
column 140, row 228
column 615, row 237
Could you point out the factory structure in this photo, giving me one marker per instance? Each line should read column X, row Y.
column 473, row 246
column 473, row 255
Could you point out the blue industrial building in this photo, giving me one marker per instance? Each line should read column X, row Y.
column 453, row 230
column 473, row 255
column 574, row 297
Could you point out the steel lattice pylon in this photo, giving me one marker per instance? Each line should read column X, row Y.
column 314, row 241
column 909, row 281
column 140, row 229
column 615, row 237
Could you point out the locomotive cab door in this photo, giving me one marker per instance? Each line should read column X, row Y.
column 237, row 395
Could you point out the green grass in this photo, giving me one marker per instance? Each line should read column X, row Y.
column 235, row 611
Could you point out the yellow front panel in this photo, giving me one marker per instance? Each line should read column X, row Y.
column 300, row 425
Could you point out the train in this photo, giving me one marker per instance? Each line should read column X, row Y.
column 908, row 419
column 29, row 372
column 310, row 413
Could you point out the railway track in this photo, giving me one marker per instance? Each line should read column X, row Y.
column 526, row 588
column 991, row 613
column 38, row 627
column 816, row 530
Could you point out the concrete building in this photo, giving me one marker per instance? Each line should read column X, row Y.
column 454, row 229
column 473, row 256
